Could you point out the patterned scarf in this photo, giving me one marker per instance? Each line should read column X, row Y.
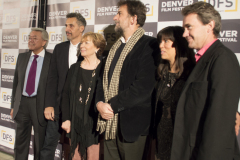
column 110, row 126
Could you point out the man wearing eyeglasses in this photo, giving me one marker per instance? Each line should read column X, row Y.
column 28, row 94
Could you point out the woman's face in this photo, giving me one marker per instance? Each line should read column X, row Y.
column 87, row 47
column 168, row 52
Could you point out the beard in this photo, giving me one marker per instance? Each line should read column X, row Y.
column 118, row 30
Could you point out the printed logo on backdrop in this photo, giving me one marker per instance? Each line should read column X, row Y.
column 7, row 76
column 11, row 18
column 229, row 34
column 86, row 10
column 108, row 32
column 9, row 58
column 57, row 1
column 29, row 3
column 150, row 29
column 6, row 96
column 58, row 152
column 229, row 9
column 152, row 10
column 11, row 4
column 6, row 120
column 29, row 17
column 170, row 10
column 105, row 11
column 56, row 14
column 23, row 38
column 10, row 38
column 56, row 35
column 7, row 137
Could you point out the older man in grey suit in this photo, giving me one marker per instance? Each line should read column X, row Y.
column 28, row 94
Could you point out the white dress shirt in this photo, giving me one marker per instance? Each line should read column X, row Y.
column 72, row 54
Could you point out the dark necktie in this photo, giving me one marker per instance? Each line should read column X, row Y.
column 31, row 76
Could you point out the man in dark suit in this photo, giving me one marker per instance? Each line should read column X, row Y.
column 205, row 117
column 28, row 94
column 124, row 95
column 64, row 55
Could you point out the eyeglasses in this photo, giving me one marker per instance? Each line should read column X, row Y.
column 32, row 39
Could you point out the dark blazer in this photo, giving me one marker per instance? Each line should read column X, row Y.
column 18, row 83
column 57, row 75
column 206, row 111
column 136, row 83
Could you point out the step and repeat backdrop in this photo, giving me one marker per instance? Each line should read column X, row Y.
column 18, row 16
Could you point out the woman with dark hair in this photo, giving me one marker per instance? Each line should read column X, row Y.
column 177, row 62
column 78, row 114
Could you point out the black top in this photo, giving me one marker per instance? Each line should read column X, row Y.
column 168, row 93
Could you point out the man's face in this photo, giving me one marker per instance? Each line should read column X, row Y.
column 122, row 19
column 73, row 30
column 195, row 32
column 35, row 42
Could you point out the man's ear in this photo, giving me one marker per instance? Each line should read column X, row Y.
column 82, row 28
column 211, row 26
column 134, row 20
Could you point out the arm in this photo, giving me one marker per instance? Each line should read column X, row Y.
column 223, row 95
column 141, row 88
column 51, row 88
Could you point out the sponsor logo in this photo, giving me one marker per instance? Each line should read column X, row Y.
column 9, row 59
column 6, row 97
column 57, row 14
column 29, row 17
column 228, row 36
column 10, row 19
column 224, row 5
column 10, row 38
column 55, row 37
column 84, row 12
column 7, row 78
column 7, row 137
column 6, row 117
column 57, row 153
column 107, row 11
column 171, row 6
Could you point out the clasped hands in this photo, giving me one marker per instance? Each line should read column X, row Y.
column 105, row 110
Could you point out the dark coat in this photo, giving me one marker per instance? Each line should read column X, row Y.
column 18, row 84
column 136, row 83
column 205, row 117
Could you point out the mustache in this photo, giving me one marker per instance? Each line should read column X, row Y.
column 68, row 33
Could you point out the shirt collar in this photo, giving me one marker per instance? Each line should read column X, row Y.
column 72, row 45
column 123, row 39
column 204, row 49
column 41, row 54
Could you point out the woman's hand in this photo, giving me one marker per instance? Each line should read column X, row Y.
column 66, row 126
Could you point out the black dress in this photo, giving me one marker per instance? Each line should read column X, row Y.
column 168, row 93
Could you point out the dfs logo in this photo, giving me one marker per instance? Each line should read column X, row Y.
column 55, row 37
column 86, row 13
column 6, row 97
column 149, row 9
column 7, row 137
column 9, row 59
column 224, row 5
column 25, row 37
column 10, row 18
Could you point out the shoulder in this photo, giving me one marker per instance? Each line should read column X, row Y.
column 62, row 44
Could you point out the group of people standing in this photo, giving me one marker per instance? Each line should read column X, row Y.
column 154, row 92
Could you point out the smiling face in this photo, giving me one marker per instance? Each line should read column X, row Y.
column 87, row 47
column 122, row 19
column 35, row 42
column 195, row 32
column 73, row 30
column 168, row 52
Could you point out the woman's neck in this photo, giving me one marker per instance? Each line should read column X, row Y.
column 90, row 62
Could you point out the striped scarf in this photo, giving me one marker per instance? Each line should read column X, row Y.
column 110, row 126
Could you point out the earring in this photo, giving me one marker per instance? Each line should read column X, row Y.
column 96, row 52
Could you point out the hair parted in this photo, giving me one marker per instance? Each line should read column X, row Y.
column 205, row 13
column 135, row 8
column 98, row 41
column 44, row 35
column 184, row 59
column 81, row 21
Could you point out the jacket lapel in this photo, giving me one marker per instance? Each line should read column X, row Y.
column 24, row 67
column 44, row 71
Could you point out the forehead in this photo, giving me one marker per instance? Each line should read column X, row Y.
column 72, row 20
column 123, row 9
column 86, row 38
column 191, row 19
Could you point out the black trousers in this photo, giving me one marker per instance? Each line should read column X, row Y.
column 120, row 149
column 53, row 134
column 25, row 119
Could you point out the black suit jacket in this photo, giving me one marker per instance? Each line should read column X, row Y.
column 18, row 83
column 136, row 83
column 206, row 111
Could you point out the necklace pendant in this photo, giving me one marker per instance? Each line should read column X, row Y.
column 80, row 88
column 93, row 74
column 168, row 85
column 80, row 99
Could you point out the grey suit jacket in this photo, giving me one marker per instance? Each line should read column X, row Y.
column 18, row 83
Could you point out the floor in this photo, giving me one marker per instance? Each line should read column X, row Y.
column 5, row 156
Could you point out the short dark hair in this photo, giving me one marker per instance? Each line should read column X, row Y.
column 98, row 41
column 184, row 59
column 135, row 8
column 205, row 13
column 81, row 21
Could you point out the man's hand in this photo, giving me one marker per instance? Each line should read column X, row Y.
column 237, row 123
column 49, row 113
column 105, row 110
column 66, row 126
column 11, row 113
